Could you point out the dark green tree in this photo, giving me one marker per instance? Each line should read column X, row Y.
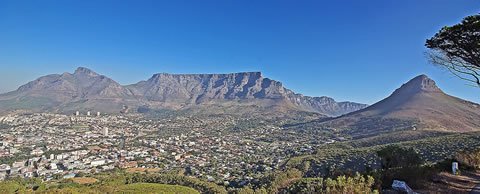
column 394, row 156
column 457, row 49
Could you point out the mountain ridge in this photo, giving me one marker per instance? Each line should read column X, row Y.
column 68, row 91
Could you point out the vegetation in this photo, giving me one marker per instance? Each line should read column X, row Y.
column 457, row 48
column 84, row 180
column 109, row 182
column 291, row 181
column 342, row 184
column 19, row 185
column 394, row 156
column 155, row 188
column 280, row 180
column 411, row 156
column 402, row 164
column 469, row 158
column 173, row 179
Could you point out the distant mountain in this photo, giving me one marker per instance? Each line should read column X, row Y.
column 84, row 89
column 87, row 90
column 418, row 104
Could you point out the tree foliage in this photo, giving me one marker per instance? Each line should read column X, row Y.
column 394, row 156
column 457, row 48
column 399, row 163
column 342, row 184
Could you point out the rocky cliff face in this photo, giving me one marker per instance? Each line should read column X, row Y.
column 198, row 88
column 203, row 88
column 174, row 90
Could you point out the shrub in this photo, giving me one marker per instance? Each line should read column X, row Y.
column 469, row 158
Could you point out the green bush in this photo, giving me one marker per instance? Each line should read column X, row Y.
column 394, row 156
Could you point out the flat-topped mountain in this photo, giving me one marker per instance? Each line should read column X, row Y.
column 417, row 104
column 87, row 90
column 197, row 88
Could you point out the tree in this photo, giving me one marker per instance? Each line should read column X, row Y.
column 398, row 157
column 457, row 48
column 400, row 163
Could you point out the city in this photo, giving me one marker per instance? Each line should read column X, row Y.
column 61, row 146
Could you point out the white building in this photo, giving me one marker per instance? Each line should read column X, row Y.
column 19, row 164
column 4, row 168
column 97, row 162
column 105, row 131
column 53, row 166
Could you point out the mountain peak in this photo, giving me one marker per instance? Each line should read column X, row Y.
column 421, row 83
column 85, row 71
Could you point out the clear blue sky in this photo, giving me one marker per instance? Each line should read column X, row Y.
column 347, row 49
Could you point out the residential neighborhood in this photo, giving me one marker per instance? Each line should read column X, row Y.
column 55, row 146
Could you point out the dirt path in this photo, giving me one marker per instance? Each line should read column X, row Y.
column 476, row 190
column 468, row 182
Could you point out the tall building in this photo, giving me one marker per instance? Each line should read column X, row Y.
column 105, row 131
column 98, row 114
column 77, row 113
column 122, row 141
column 88, row 113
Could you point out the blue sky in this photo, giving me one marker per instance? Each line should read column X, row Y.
column 346, row 49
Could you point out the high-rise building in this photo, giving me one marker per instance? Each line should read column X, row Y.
column 77, row 113
column 122, row 141
column 98, row 114
column 88, row 113
column 105, row 131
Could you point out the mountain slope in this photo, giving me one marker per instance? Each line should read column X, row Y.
column 418, row 104
column 66, row 91
column 86, row 90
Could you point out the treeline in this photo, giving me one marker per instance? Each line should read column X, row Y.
column 342, row 184
column 291, row 182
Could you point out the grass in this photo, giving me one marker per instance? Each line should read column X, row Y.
column 108, row 182
column 122, row 188
column 84, row 180
column 143, row 170
column 155, row 188
column 10, row 187
column 135, row 188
